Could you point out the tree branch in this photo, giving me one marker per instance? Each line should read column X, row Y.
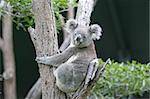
column 84, row 11
column 71, row 10
column 66, row 35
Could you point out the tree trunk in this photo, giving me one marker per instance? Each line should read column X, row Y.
column 6, row 45
column 44, row 38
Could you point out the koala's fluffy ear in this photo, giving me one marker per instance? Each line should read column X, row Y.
column 96, row 31
column 71, row 24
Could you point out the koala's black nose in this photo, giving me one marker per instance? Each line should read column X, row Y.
column 78, row 38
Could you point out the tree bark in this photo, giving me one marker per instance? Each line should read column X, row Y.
column 6, row 45
column 84, row 11
column 44, row 38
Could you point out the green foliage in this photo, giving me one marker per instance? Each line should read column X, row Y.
column 123, row 79
column 24, row 18
column 22, row 14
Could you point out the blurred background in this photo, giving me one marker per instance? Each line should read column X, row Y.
column 125, row 25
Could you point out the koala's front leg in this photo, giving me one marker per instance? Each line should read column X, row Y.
column 44, row 60
column 57, row 59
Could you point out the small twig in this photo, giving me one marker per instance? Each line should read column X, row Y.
column 65, row 10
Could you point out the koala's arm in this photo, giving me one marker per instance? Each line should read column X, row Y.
column 57, row 59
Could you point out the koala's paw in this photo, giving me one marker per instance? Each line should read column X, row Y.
column 40, row 60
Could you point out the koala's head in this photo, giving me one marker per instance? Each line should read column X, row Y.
column 83, row 36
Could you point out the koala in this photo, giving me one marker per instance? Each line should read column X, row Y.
column 72, row 64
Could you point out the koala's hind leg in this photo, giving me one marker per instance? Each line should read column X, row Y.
column 69, row 76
